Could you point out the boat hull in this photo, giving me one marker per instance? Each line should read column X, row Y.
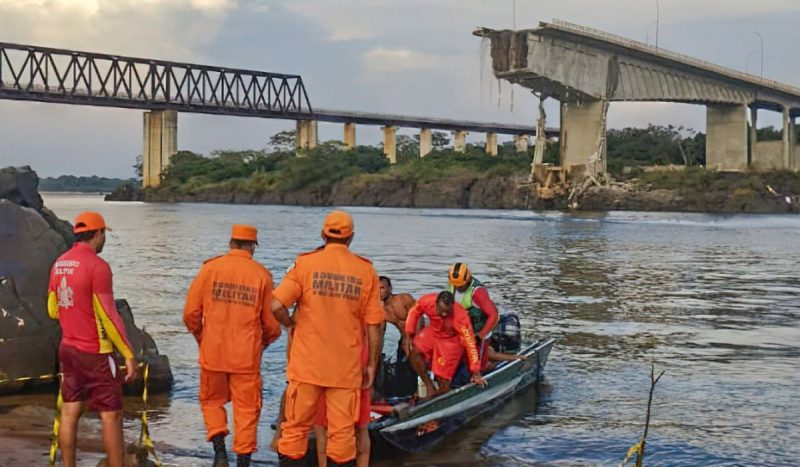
column 418, row 428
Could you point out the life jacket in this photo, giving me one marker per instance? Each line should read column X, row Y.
column 476, row 315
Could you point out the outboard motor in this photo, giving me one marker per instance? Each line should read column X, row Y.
column 507, row 335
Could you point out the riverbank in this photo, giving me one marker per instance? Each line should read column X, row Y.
column 689, row 190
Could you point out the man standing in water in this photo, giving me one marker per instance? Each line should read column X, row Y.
column 229, row 311
column 80, row 296
column 338, row 301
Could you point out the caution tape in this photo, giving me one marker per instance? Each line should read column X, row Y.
column 144, row 434
column 29, row 378
column 636, row 449
column 56, row 425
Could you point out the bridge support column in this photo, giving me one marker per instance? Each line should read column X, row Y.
column 160, row 143
column 390, row 143
column 726, row 140
column 460, row 141
column 788, row 138
column 491, row 143
column 306, row 134
column 425, row 142
column 582, row 131
column 753, row 136
column 521, row 144
column 350, row 135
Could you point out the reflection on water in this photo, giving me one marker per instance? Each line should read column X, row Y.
column 713, row 299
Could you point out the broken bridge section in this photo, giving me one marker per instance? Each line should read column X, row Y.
column 586, row 69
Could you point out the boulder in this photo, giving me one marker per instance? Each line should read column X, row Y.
column 31, row 238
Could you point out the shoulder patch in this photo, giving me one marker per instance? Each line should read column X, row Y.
column 212, row 259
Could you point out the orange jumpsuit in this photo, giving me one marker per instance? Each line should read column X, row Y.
column 445, row 340
column 337, row 293
column 229, row 311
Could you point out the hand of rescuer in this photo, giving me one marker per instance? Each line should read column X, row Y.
column 130, row 369
column 478, row 379
column 367, row 377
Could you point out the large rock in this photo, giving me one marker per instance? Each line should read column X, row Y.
column 31, row 238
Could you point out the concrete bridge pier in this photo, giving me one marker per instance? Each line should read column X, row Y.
column 306, row 134
column 726, row 137
column 788, row 138
column 390, row 143
column 521, row 143
column 460, row 141
column 425, row 142
column 491, row 143
column 160, row 142
column 582, row 129
column 350, row 135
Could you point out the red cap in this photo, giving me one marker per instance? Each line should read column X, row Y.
column 338, row 224
column 244, row 232
column 88, row 221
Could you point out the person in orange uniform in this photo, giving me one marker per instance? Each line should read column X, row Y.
column 338, row 302
column 363, row 444
column 229, row 311
column 80, row 296
column 442, row 343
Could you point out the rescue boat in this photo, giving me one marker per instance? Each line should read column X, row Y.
column 410, row 427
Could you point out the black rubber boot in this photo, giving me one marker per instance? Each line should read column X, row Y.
column 333, row 463
column 243, row 460
column 220, row 453
column 284, row 461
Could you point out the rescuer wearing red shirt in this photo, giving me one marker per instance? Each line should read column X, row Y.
column 442, row 343
column 80, row 296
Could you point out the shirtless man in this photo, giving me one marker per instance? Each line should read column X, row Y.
column 395, row 308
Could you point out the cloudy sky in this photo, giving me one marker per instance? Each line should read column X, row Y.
column 405, row 57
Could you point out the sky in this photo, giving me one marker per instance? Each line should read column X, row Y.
column 409, row 57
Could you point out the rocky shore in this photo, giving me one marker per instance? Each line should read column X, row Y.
column 476, row 192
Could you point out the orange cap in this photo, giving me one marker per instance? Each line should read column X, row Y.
column 244, row 232
column 88, row 221
column 338, row 224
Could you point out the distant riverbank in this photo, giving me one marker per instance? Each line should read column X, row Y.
column 693, row 190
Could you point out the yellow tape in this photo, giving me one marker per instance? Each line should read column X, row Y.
column 56, row 425
column 144, row 435
column 634, row 450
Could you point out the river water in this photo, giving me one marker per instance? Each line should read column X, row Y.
column 713, row 300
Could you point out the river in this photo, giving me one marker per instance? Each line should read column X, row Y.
column 713, row 300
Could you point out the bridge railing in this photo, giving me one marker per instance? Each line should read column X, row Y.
column 55, row 75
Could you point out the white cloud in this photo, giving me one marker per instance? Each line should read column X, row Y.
column 384, row 60
column 169, row 29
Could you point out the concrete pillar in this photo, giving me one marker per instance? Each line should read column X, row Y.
column 159, row 144
column 491, row 143
column 788, row 138
column 582, row 126
column 425, row 142
column 795, row 162
column 521, row 144
column 390, row 143
column 306, row 134
column 726, row 140
column 460, row 141
column 753, row 134
column 350, row 135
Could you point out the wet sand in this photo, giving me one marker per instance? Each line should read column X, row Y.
column 26, row 424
